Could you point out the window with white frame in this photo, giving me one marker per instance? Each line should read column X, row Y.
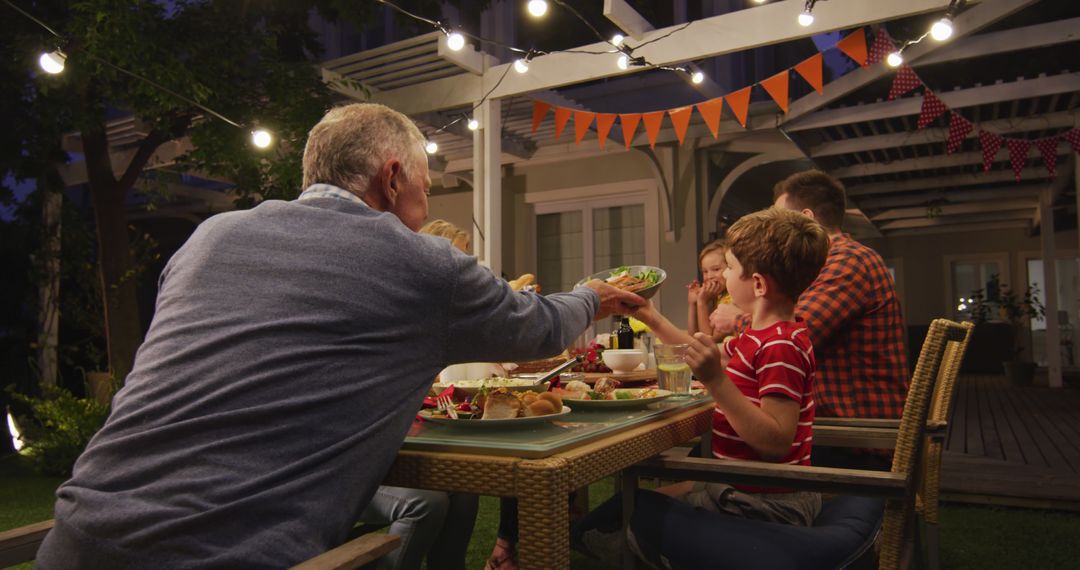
column 968, row 274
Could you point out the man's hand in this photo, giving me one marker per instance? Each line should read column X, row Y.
column 614, row 301
column 704, row 359
column 723, row 318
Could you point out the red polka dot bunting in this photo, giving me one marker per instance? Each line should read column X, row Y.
column 959, row 129
column 991, row 144
column 1048, row 149
column 932, row 108
column 904, row 82
column 1073, row 137
column 1018, row 151
column 883, row 46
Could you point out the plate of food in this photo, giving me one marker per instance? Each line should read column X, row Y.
column 472, row 387
column 645, row 280
column 606, row 394
column 502, row 407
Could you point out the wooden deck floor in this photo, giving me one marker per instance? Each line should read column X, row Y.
column 1013, row 445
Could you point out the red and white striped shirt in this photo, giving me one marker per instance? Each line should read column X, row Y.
column 774, row 361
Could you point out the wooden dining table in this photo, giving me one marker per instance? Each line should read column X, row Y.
column 540, row 464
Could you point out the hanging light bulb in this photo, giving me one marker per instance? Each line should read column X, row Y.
column 894, row 59
column 760, row 1
column 521, row 65
column 261, row 138
column 431, row 147
column 52, row 62
column 697, row 77
column 473, row 125
column 617, row 40
column 455, row 41
column 942, row 29
column 537, row 8
column 623, row 62
column 806, row 18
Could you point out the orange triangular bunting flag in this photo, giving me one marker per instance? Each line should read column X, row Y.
column 810, row 70
column 854, row 45
column 629, row 126
column 739, row 102
column 680, row 119
column 603, row 126
column 652, row 125
column 562, row 115
column 540, row 109
column 777, row 86
column 582, row 121
column 710, row 112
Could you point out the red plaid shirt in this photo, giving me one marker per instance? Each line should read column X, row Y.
column 854, row 319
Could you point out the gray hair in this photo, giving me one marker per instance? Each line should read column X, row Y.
column 349, row 145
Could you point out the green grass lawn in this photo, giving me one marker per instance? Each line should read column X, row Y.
column 972, row 537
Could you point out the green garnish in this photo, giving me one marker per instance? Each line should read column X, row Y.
column 625, row 394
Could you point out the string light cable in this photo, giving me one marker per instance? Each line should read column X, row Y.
column 53, row 62
column 941, row 30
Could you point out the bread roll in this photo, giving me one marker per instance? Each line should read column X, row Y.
column 540, row 408
column 555, row 400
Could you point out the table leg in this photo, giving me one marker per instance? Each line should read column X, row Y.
column 544, row 531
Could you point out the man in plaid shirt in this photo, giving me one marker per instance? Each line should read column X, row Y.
column 854, row 319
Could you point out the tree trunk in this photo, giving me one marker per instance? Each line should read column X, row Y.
column 49, row 287
column 123, row 329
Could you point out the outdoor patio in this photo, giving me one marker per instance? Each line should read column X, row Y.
column 1013, row 445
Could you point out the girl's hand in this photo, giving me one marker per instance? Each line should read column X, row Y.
column 693, row 291
column 710, row 291
column 705, row 359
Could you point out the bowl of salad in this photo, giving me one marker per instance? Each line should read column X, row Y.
column 645, row 280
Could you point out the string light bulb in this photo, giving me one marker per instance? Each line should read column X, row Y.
column 537, row 8
column 806, row 18
column 431, row 147
column 521, row 65
column 455, row 41
column 942, row 29
column 474, row 124
column 261, row 138
column 697, row 77
column 52, row 62
column 894, row 59
column 623, row 62
column 617, row 40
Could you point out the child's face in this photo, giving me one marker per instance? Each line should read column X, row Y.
column 741, row 287
column 712, row 266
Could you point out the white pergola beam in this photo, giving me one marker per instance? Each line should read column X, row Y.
column 956, row 209
column 934, row 183
column 1007, row 41
column 926, row 163
column 627, row 18
column 468, row 58
column 926, row 136
column 1007, row 193
column 925, row 222
column 967, row 23
column 958, row 99
column 962, row 227
column 727, row 33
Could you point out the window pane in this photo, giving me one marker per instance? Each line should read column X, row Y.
column 559, row 251
column 618, row 236
column 969, row 276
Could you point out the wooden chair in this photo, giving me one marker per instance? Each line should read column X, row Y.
column 21, row 545
column 881, row 433
column 899, row 486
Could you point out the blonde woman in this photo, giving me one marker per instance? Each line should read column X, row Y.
column 442, row 228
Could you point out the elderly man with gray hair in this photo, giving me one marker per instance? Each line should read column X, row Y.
column 290, row 349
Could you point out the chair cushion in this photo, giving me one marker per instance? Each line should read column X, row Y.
column 694, row 538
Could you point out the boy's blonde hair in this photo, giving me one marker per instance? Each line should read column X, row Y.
column 782, row 244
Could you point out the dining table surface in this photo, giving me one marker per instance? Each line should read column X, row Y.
column 542, row 463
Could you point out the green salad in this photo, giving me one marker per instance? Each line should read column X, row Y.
column 649, row 275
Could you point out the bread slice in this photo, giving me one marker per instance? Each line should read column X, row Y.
column 501, row 404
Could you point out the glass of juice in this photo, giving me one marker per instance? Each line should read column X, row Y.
column 673, row 373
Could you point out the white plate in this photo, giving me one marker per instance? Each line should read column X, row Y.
column 618, row 404
column 426, row 414
column 472, row 390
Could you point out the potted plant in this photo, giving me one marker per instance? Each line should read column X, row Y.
column 1018, row 309
column 1002, row 316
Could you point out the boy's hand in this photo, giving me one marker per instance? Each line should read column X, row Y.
column 646, row 313
column 705, row 359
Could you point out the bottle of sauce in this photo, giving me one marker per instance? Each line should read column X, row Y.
column 625, row 334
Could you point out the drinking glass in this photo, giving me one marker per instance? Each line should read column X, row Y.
column 673, row 373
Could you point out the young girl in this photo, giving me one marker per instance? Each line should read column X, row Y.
column 702, row 298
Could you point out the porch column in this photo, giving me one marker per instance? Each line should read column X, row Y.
column 1049, row 255
column 487, row 185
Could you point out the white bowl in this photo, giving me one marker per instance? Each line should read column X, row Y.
column 623, row 360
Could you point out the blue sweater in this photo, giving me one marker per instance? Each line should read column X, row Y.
column 290, row 349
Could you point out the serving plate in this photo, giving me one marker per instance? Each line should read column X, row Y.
column 619, row 404
column 472, row 390
column 495, row 424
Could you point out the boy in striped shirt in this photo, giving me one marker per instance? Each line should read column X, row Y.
column 762, row 380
